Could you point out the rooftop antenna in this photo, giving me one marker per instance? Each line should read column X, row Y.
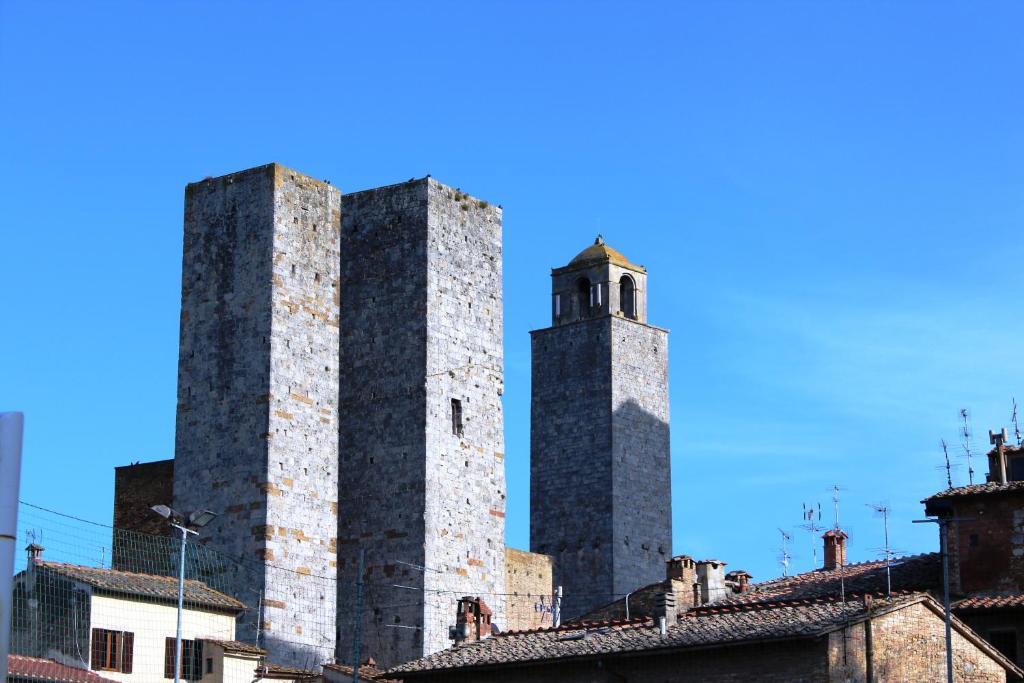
column 811, row 517
column 842, row 565
column 835, row 503
column 965, row 438
column 884, row 511
column 1016, row 426
column 784, row 558
column 948, row 467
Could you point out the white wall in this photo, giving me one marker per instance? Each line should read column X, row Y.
column 152, row 623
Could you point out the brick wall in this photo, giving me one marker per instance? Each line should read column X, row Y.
column 528, row 582
column 986, row 553
column 136, row 489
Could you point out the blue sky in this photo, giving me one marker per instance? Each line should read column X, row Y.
column 827, row 196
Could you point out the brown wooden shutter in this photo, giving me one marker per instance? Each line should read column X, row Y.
column 169, row 658
column 127, row 651
column 97, row 648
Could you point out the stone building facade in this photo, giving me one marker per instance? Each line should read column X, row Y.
column 600, row 492
column 257, row 422
column 528, row 582
column 421, row 436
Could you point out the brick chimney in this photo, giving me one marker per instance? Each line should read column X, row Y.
column 740, row 580
column 665, row 611
column 472, row 620
column 835, row 548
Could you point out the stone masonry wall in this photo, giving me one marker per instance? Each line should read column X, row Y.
column 641, row 474
column 908, row 645
column 382, row 419
column 421, row 321
column 465, row 473
column 256, row 428
column 137, row 488
column 571, row 504
column 528, row 583
column 600, row 497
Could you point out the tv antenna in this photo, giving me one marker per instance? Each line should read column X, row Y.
column 1016, row 426
column 949, row 467
column 884, row 510
column 965, row 441
column 835, row 503
column 811, row 517
column 784, row 557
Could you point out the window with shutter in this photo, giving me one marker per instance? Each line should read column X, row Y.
column 127, row 651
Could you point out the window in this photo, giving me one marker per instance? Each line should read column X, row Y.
column 558, row 305
column 209, row 665
column 456, row 417
column 583, row 295
column 1016, row 469
column 627, row 297
column 191, row 659
column 112, row 650
column 1005, row 642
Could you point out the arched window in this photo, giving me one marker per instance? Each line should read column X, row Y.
column 583, row 297
column 627, row 297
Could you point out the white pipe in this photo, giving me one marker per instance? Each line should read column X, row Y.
column 11, row 429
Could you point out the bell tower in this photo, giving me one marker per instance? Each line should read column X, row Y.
column 600, row 491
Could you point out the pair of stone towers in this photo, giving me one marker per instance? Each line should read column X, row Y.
column 339, row 384
column 339, row 404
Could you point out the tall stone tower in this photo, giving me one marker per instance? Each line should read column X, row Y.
column 600, row 491
column 421, row 444
column 257, row 420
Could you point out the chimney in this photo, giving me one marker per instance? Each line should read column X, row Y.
column 472, row 620
column 835, row 548
column 665, row 610
column 711, row 579
column 681, row 568
column 740, row 580
column 35, row 553
column 999, row 441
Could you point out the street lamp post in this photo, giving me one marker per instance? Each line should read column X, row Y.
column 943, row 523
column 197, row 519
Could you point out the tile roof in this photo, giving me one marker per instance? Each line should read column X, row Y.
column 368, row 672
column 142, row 585
column 700, row 628
column 280, row 671
column 989, row 603
column 35, row 669
column 912, row 573
column 977, row 490
column 237, row 646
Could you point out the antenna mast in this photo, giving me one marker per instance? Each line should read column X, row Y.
column 812, row 527
column 884, row 511
column 949, row 474
column 965, row 435
column 1016, row 427
column 784, row 559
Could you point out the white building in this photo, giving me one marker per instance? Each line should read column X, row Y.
column 122, row 625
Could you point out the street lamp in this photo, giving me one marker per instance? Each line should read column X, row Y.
column 187, row 525
column 944, row 523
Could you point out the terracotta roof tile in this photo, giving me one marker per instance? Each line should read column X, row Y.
column 989, row 602
column 912, row 573
column 35, row 669
column 141, row 585
column 977, row 490
column 237, row 646
column 695, row 629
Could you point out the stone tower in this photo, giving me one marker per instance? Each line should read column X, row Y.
column 421, row 444
column 257, row 420
column 600, row 492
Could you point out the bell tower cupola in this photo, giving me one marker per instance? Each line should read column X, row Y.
column 599, row 281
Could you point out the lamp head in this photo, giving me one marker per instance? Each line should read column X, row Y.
column 201, row 518
column 164, row 511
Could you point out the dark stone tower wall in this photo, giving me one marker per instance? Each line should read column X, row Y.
column 421, row 325
column 256, row 436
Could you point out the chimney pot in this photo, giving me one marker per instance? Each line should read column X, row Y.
column 35, row 552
